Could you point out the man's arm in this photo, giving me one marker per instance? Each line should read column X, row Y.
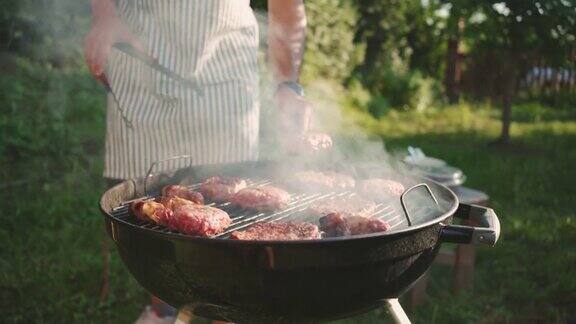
column 286, row 37
column 286, row 42
column 107, row 29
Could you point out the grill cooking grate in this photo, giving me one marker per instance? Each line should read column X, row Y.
column 296, row 211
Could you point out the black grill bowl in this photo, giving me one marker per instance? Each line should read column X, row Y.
column 288, row 281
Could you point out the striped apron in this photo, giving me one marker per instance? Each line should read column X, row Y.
column 213, row 41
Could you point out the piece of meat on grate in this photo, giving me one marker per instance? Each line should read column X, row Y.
column 278, row 232
column 338, row 224
column 182, row 192
column 151, row 211
column 199, row 220
column 265, row 198
column 380, row 189
column 353, row 205
column 313, row 181
column 222, row 189
column 173, row 203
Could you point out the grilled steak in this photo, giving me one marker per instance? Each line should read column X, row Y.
column 346, row 205
column 173, row 203
column 380, row 189
column 221, row 189
column 151, row 211
column 338, row 224
column 313, row 181
column 266, row 198
column 199, row 220
column 278, row 232
column 182, row 192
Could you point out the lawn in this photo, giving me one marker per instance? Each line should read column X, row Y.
column 52, row 232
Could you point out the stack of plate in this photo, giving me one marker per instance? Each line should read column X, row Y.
column 433, row 168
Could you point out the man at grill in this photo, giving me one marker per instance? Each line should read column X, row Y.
column 152, row 116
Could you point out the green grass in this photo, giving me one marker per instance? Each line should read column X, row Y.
column 52, row 232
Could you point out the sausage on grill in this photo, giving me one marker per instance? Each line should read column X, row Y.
column 221, row 189
column 151, row 211
column 266, row 198
column 278, row 232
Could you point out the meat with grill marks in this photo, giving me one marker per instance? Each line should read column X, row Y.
column 199, row 220
column 278, row 232
column 265, row 198
column 380, row 189
column 222, row 189
column 339, row 224
column 173, row 203
column 313, row 181
column 151, row 211
column 352, row 205
column 182, row 192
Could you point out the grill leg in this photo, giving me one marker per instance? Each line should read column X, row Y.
column 395, row 309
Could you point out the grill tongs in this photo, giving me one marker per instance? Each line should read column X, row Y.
column 153, row 64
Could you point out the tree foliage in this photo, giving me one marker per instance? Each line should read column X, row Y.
column 330, row 50
column 514, row 35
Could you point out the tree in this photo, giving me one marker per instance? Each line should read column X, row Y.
column 382, row 26
column 515, row 33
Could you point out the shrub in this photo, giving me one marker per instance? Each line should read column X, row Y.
column 49, row 113
column 330, row 52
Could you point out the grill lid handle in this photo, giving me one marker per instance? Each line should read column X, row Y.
column 488, row 232
column 154, row 164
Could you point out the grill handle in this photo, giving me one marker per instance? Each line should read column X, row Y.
column 154, row 164
column 488, row 232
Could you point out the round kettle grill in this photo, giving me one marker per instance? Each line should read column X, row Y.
column 287, row 281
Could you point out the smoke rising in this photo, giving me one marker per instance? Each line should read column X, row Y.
column 354, row 151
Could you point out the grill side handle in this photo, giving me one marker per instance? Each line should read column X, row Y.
column 487, row 233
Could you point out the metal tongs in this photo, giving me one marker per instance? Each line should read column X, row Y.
column 153, row 64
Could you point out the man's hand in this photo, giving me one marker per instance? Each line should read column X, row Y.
column 294, row 111
column 295, row 118
column 104, row 33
